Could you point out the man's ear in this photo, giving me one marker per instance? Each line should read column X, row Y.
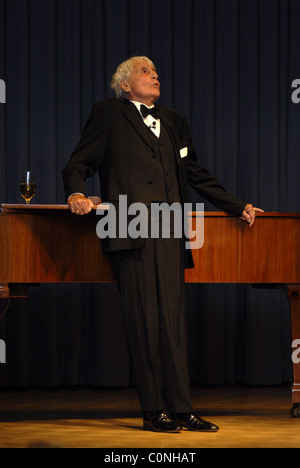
column 124, row 85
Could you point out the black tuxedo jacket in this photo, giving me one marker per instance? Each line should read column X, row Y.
column 116, row 144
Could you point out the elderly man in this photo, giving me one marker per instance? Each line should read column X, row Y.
column 146, row 153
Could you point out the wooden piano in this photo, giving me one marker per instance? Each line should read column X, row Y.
column 48, row 244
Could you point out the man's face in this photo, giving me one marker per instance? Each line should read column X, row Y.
column 143, row 85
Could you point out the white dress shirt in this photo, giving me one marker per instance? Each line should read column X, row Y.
column 150, row 121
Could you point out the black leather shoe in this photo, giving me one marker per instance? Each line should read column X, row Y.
column 194, row 423
column 160, row 421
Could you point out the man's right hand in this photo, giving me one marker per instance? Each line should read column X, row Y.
column 79, row 204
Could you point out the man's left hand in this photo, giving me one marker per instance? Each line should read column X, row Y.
column 249, row 214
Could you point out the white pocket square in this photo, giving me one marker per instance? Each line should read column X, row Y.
column 183, row 152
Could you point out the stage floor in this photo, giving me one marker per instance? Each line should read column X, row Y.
column 248, row 417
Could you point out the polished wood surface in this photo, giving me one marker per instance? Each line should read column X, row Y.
column 268, row 252
column 109, row 419
column 48, row 244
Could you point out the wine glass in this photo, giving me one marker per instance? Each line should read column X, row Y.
column 27, row 185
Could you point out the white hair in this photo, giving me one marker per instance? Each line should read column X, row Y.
column 123, row 72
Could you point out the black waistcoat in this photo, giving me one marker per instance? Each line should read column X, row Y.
column 165, row 182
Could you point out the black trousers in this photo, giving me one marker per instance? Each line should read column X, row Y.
column 152, row 288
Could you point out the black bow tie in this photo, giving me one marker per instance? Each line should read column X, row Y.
column 154, row 111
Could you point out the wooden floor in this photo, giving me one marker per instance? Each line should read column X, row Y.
column 87, row 418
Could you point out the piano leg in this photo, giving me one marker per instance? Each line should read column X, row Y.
column 4, row 291
column 293, row 294
column 14, row 290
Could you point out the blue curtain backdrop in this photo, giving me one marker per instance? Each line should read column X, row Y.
column 228, row 66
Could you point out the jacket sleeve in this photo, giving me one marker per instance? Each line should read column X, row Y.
column 88, row 154
column 210, row 188
column 206, row 184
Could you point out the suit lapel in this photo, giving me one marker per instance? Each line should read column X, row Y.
column 172, row 133
column 173, row 136
column 132, row 114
